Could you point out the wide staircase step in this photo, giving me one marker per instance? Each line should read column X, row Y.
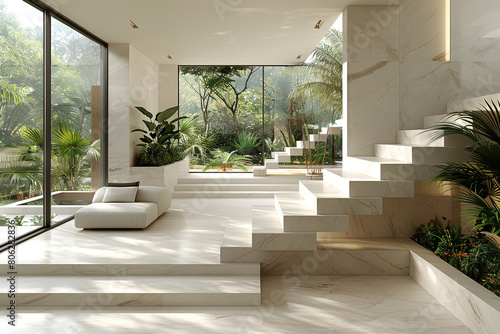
column 390, row 169
column 136, row 290
column 208, row 187
column 414, row 154
column 297, row 216
column 268, row 232
column 355, row 184
column 426, row 138
column 324, row 199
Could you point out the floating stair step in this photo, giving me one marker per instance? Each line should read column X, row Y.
column 294, row 151
column 430, row 121
column 355, row 184
column 271, row 164
column 413, row 154
column 237, row 187
column 227, row 194
column 140, row 290
column 268, row 233
column 297, row 216
column 332, row 130
column 390, row 169
column 282, row 157
column 318, row 137
column 327, row 200
column 421, row 138
column 306, row 144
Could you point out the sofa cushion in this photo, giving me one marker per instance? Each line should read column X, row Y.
column 120, row 194
column 158, row 195
column 116, row 215
column 99, row 195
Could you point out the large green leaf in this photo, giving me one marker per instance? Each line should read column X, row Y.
column 178, row 119
column 145, row 112
column 139, row 130
column 146, row 140
column 166, row 114
column 151, row 126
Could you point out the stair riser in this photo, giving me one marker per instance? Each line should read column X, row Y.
column 417, row 138
column 276, row 241
column 306, row 145
column 134, row 269
column 420, row 154
column 105, row 299
column 342, row 206
column 318, row 137
column 282, row 158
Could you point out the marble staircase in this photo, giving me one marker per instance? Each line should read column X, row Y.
column 298, row 150
column 359, row 189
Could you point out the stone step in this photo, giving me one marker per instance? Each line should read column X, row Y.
column 271, row 164
column 424, row 138
column 306, row 144
column 237, row 238
column 355, row 184
column 86, row 269
column 238, row 178
column 390, row 169
column 414, row 154
column 208, row 187
column 327, row 200
column 136, row 290
column 281, row 157
column 430, row 121
column 227, row 194
column 473, row 103
column 332, row 130
column 318, row 137
column 297, row 216
column 268, row 232
column 294, row 151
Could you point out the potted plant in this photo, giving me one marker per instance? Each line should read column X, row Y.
column 157, row 140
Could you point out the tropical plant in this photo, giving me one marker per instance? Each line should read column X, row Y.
column 275, row 145
column 225, row 161
column 479, row 178
column 246, row 142
column 192, row 142
column 159, row 129
column 323, row 72
column 71, row 154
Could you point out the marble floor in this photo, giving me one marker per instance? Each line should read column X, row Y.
column 317, row 304
column 191, row 233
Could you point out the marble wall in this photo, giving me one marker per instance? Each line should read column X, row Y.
column 134, row 80
column 405, row 62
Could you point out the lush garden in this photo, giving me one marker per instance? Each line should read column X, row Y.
column 75, row 69
column 238, row 115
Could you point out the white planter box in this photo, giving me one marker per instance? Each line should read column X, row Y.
column 166, row 176
column 473, row 304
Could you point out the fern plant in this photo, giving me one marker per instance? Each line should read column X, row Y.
column 226, row 161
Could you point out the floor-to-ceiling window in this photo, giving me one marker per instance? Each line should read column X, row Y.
column 251, row 111
column 53, row 95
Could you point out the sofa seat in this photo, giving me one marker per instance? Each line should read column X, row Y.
column 150, row 203
column 116, row 215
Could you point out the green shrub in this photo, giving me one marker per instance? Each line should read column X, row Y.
column 246, row 143
column 158, row 155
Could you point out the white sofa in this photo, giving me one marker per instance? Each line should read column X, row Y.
column 150, row 203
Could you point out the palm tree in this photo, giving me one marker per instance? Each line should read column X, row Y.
column 479, row 178
column 225, row 161
column 323, row 72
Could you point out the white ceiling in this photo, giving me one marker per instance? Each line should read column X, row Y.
column 210, row 32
